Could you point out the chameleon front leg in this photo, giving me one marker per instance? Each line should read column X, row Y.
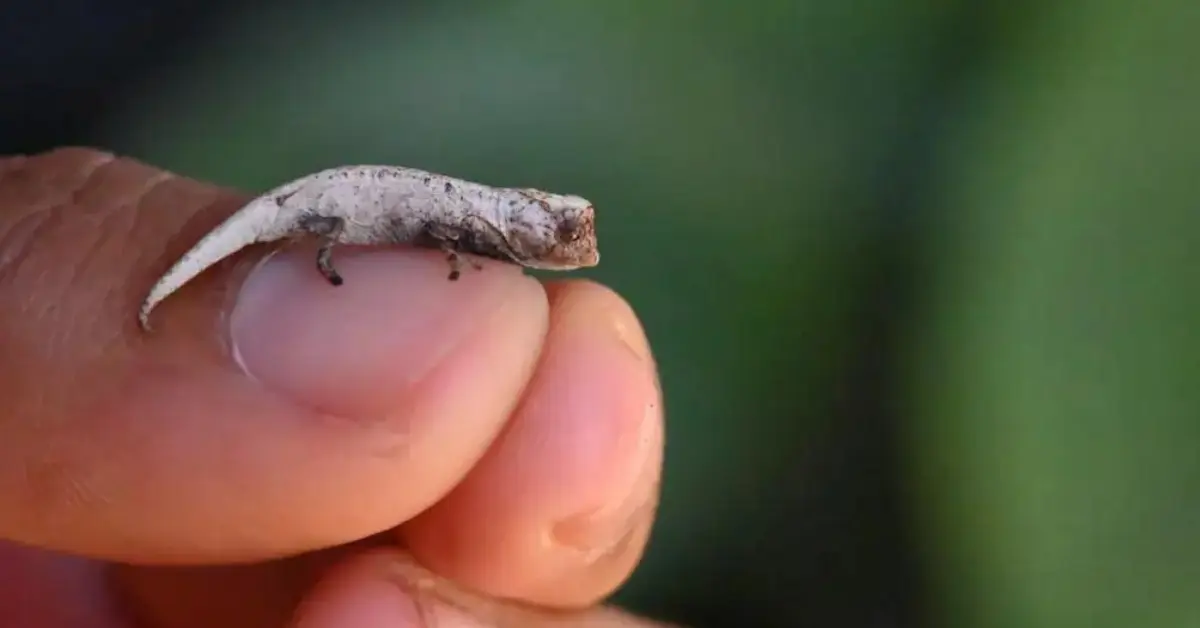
column 328, row 229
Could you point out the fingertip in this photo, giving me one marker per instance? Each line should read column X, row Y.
column 604, row 308
column 570, row 488
column 385, row 587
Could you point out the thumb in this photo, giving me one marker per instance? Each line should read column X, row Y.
column 269, row 413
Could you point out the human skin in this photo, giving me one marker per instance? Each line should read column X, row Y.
column 280, row 452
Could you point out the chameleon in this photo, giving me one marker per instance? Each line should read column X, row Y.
column 383, row 205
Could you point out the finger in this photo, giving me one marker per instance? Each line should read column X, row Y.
column 258, row 595
column 39, row 589
column 578, row 465
column 269, row 413
column 559, row 510
column 385, row 588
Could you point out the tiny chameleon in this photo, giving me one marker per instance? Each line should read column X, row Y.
column 378, row 205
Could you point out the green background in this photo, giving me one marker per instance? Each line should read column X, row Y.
column 921, row 276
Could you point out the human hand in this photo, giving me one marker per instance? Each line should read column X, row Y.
column 222, row 469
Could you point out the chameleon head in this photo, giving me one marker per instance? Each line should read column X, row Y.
column 554, row 232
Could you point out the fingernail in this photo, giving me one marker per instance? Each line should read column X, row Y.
column 368, row 604
column 382, row 602
column 353, row 350
column 445, row 616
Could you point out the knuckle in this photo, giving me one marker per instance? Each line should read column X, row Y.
column 80, row 230
column 68, row 218
column 41, row 228
column 63, row 215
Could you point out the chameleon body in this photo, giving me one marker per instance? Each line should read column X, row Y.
column 377, row 205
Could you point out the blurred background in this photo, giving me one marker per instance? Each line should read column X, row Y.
column 922, row 276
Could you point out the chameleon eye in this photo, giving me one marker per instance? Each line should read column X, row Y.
column 568, row 231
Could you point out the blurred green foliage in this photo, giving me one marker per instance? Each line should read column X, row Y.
column 907, row 267
column 1057, row 428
